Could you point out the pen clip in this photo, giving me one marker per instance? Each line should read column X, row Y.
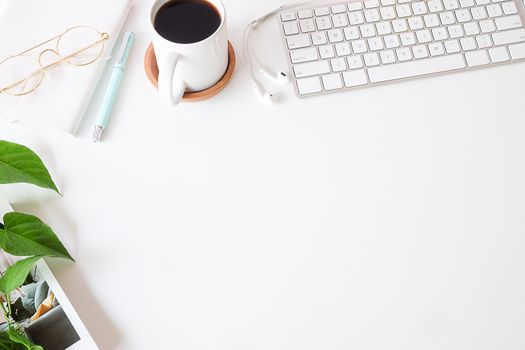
column 123, row 46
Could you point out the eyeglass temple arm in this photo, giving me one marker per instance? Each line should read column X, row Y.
column 42, row 43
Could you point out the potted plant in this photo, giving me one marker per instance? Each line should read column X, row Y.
column 23, row 235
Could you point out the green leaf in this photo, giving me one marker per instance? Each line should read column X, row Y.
column 19, row 164
column 16, row 274
column 5, row 342
column 21, row 339
column 25, row 235
column 18, row 338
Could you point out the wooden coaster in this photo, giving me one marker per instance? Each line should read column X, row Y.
column 152, row 71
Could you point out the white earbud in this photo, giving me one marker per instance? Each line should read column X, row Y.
column 255, row 67
column 266, row 95
column 280, row 77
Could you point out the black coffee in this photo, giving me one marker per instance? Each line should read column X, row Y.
column 187, row 21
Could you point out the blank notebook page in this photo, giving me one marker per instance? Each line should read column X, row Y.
column 61, row 100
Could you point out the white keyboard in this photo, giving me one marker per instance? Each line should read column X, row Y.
column 356, row 44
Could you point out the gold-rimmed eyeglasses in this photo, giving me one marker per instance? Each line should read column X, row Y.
column 22, row 73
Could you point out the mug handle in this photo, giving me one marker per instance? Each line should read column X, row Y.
column 171, row 89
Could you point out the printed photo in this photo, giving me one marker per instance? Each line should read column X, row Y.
column 40, row 308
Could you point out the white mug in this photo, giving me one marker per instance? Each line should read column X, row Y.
column 189, row 67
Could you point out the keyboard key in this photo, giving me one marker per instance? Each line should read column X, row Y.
column 420, row 51
column 343, row 49
column 509, row 22
column 436, row 49
column 371, row 59
column 463, row 16
column 440, row 33
column 404, row 54
column 477, row 58
column 351, row 33
column 338, row 64
column 335, row 35
column 298, row 41
column 468, row 44
column 311, row 68
column 356, row 17
column 451, row 4
column 423, row 36
column 332, row 82
column 387, row 56
column 387, row 13
column 367, row 30
column 341, row 8
column 326, row 51
column 416, row 68
column 487, row 26
column 309, row 86
column 287, row 16
column 303, row 55
column 431, row 20
column 509, row 8
column 435, row 6
column 290, row 28
column 466, row 3
column 471, row 28
column 355, row 62
column 403, row 10
column 452, row 46
column 407, row 39
column 499, row 54
column 508, row 37
column 455, row 31
column 484, row 41
column 323, row 23
column 388, row 2
column 375, row 44
column 319, row 38
column 494, row 10
column 419, row 8
column 302, row 14
column 479, row 13
column 307, row 25
column 355, row 78
column 383, row 28
column 447, row 18
column 415, row 23
column 369, row 4
column 400, row 25
column 340, row 20
column 322, row 11
column 391, row 41
column 354, row 6
column 372, row 15
column 359, row 46
column 517, row 51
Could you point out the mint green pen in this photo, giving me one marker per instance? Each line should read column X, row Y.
column 113, row 86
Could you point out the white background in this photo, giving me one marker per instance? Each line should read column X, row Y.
column 384, row 218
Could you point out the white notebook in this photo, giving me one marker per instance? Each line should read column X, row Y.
column 61, row 100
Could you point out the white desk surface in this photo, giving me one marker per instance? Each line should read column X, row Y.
column 385, row 218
